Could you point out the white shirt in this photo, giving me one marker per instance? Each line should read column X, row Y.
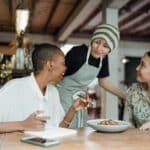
column 19, row 98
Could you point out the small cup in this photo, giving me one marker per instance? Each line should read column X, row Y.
column 41, row 113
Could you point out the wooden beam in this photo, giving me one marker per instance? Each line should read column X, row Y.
column 7, row 37
column 140, row 28
column 145, row 31
column 135, row 11
column 136, row 38
column 32, row 4
column 135, row 25
column 52, row 12
column 96, row 11
column 117, row 4
column 83, row 10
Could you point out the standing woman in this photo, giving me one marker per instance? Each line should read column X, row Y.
column 137, row 110
column 84, row 64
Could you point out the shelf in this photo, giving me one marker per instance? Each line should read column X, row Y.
column 8, row 74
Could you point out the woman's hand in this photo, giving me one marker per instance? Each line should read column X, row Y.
column 82, row 102
column 145, row 126
column 78, row 104
column 34, row 122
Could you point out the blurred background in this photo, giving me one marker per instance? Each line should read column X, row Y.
column 24, row 23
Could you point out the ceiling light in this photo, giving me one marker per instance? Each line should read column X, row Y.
column 22, row 17
column 124, row 60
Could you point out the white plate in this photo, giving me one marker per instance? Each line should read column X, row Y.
column 123, row 125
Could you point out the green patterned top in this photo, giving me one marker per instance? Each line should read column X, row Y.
column 137, row 105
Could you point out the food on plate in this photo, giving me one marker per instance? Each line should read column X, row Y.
column 108, row 122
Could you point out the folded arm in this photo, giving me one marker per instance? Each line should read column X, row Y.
column 31, row 123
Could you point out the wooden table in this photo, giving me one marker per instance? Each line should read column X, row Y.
column 86, row 139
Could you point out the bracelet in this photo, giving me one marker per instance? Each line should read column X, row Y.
column 66, row 122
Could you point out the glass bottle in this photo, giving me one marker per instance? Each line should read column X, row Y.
column 20, row 55
column 20, row 58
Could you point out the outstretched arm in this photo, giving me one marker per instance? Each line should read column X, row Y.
column 104, row 83
column 10, row 126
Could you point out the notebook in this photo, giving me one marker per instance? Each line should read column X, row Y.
column 52, row 133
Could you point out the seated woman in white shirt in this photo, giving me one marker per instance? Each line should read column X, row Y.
column 22, row 100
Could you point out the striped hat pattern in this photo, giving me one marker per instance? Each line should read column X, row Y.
column 109, row 33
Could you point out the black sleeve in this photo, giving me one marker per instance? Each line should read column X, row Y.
column 104, row 72
column 75, row 58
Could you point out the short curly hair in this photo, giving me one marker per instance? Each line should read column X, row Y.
column 43, row 53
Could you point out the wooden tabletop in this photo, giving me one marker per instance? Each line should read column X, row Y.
column 86, row 139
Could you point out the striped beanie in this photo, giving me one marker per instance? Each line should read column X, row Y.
column 109, row 33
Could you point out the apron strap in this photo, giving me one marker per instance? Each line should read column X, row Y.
column 101, row 60
column 88, row 55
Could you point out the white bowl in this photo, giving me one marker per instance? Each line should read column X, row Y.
column 123, row 125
